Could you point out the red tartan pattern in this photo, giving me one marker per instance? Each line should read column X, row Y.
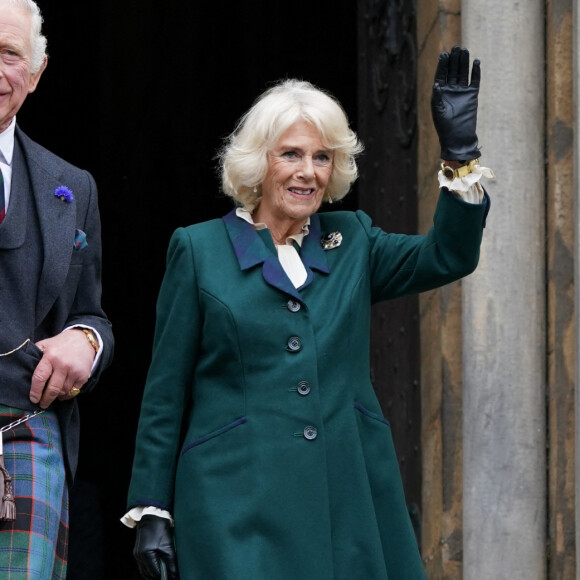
column 35, row 546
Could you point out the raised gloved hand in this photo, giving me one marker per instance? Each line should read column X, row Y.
column 154, row 550
column 454, row 105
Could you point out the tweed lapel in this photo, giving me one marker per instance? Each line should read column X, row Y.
column 57, row 225
column 252, row 248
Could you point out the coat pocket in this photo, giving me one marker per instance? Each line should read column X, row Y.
column 16, row 368
column 370, row 414
column 216, row 433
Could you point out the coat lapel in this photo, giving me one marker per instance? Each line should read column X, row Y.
column 57, row 223
column 312, row 254
column 253, row 247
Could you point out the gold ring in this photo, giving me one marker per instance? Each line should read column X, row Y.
column 74, row 391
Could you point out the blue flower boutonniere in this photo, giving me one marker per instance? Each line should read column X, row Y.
column 64, row 193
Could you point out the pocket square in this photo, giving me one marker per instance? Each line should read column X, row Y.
column 80, row 240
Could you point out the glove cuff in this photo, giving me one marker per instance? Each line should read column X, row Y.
column 461, row 154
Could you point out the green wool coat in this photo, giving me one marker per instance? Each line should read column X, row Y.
column 260, row 430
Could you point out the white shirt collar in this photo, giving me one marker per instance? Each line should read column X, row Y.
column 247, row 216
column 7, row 143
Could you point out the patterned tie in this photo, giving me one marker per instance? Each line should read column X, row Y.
column 2, row 207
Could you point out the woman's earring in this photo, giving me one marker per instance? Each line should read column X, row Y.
column 255, row 189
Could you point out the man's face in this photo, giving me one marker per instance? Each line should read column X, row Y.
column 16, row 80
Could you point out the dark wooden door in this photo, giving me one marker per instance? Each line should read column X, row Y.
column 387, row 190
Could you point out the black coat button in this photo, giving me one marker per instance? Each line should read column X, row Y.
column 294, row 305
column 303, row 388
column 294, row 344
column 310, row 432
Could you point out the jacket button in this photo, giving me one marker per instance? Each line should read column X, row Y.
column 310, row 433
column 303, row 388
column 294, row 344
column 294, row 305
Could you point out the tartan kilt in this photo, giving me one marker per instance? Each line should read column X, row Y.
column 35, row 546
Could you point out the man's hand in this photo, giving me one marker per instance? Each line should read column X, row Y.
column 454, row 105
column 66, row 363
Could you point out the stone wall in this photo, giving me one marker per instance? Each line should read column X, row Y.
column 498, row 351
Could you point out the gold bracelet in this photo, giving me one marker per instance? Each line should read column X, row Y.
column 91, row 338
column 462, row 171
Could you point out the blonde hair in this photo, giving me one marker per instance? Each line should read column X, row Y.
column 243, row 158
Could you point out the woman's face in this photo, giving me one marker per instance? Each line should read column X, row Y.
column 299, row 167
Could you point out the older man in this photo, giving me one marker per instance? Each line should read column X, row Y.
column 54, row 336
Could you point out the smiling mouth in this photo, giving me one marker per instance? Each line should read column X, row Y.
column 301, row 191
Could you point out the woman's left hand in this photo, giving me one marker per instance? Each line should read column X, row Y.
column 454, row 105
column 154, row 551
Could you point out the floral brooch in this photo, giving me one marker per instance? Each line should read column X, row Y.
column 331, row 240
column 64, row 193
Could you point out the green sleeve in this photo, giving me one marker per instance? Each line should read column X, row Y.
column 407, row 264
column 169, row 380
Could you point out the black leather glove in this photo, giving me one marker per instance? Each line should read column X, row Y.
column 454, row 105
column 154, row 550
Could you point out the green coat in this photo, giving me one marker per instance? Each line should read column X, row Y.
column 260, row 430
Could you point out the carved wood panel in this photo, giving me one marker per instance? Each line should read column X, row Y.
column 387, row 190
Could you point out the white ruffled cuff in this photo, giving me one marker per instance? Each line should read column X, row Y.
column 134, row 515
column 467, row 188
